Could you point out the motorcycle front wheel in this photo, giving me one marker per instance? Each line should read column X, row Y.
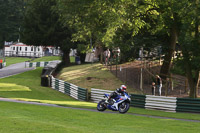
column 101, row 106
column 124, row 107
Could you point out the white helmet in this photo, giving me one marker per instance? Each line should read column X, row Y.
column 123, row 87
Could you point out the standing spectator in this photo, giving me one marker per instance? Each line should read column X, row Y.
column 107, row 56
column 153, row 88
column 159, row 84
column 116, row 53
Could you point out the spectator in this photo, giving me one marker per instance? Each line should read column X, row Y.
column 116, row 53
column 107, row 56
column 153, row 88
column 159, row 84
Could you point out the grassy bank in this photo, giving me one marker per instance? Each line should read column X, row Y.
column 91, row 76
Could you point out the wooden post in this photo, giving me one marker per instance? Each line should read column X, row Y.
column 141, row 83
column 197, row 84
column 186, row 85
column 171, row 82
column 116, row 65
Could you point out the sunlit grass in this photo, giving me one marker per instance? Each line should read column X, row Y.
column 66, row 103
column 77, row 73
column 51, row 58
column 13, row 87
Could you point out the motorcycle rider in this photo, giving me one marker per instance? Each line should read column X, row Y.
column 116, row 92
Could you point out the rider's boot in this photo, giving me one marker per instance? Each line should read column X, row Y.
column 106, row 101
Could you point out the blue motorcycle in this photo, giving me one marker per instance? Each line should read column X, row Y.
column 120, row 103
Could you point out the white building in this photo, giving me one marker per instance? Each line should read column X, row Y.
column 20, row 49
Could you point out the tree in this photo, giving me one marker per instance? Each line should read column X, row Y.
column 11, row 14
column 43, row 27
column 102, row 21
column 169, row 21
column 190, row 44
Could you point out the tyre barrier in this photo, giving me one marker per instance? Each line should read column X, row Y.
column 69, row 89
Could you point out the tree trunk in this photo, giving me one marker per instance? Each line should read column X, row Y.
column 190, row 79
column 66, row 58
column 168, row 56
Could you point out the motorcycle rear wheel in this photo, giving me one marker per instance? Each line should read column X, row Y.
column 124, row 107
column 101, row 106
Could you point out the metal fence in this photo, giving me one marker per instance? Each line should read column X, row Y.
column 24, row 54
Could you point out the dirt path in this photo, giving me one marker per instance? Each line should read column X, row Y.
column 93, row 110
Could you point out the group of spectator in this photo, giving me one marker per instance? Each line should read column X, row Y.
column 158, row 85
column 107, row 55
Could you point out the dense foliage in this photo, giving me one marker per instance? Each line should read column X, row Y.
column 11, row 15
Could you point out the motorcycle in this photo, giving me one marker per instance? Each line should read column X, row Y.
column 120, row 103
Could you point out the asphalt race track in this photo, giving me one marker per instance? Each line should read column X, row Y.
column 14, row 69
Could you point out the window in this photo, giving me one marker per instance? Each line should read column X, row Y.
column 20, row 48
column 38, row 49
column 25, row 48
column 31, row 48
column 13, row 48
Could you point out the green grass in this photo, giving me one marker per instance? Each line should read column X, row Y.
column 14, row 60
column 51, row 58
column 24, row 118
column 47, row 58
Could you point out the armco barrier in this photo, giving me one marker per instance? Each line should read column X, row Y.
column 97, row 94
column 160, row 103
column 36, row 64
column 69, row 89
column 188, row 105
column 138, row 100
column 42, row 64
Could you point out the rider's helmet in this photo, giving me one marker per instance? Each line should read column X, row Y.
column 123, row 87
